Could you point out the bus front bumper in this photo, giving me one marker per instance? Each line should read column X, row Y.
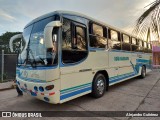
column 39, row 90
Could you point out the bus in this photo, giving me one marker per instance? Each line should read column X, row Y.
column 66, row 55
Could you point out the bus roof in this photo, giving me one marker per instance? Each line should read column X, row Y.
column 61, row 12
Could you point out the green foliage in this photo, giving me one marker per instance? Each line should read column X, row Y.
column 4, row 41
column 147, row 25
column 5, row 76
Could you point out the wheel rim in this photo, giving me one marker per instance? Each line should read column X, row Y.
column 100, row 86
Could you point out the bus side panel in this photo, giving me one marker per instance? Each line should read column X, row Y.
column 140, row 59
column 127, row 64
column 121, row 61
column 75, row 84
column 76, row 80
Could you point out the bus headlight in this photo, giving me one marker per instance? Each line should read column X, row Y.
column 41, row 89
column 35, row 88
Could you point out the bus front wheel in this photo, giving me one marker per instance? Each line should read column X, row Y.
column 98, row 86
column 143, row 72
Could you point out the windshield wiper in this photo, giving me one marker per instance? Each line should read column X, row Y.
column 33, row 63
column 42, row 60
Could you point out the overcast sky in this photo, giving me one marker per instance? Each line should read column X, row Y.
column 15, row 14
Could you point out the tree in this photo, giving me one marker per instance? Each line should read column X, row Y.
column 148, row 24
column 4, row 41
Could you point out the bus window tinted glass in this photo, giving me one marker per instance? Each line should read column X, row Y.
column 125, row 38
column 74, row 44
column 97, row 41
column 116, row 45
column 97, row 30
column 141, row 48
column 126, row 43
column 80, row 36
column 134, row 46
column 140, row 43
column 96, row 38
column 145, row 45
column 149, row 46
column 134, row 41
column 114, row 35
column 66, row 34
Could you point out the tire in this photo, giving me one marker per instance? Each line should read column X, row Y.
column 98, row 86
column 143, row 72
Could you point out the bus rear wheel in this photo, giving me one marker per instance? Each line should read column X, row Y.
column 143, row 72
column 98, row 86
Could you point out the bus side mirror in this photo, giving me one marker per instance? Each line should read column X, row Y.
column 48, row 37
column 12, row 39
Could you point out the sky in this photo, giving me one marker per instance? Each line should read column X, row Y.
column 15, row 14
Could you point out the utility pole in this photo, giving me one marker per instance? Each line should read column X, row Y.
column 2, row 66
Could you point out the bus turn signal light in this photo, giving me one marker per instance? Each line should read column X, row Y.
column 49, row 87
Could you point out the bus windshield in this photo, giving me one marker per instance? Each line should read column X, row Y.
column 34, row 51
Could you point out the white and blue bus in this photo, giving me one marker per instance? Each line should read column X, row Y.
column 67, row 55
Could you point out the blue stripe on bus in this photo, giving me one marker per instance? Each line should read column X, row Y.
column 111, row 80
column 89, row 88
column 120, row 76
column 97, row 49
column 74, row 89
column 148, row 66
column 122, row 51
column 142, row 61
column 37, row 68
column 75, row 93
column 119, row 79
column 136, row 70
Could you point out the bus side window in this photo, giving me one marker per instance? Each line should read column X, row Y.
column 80, row 38
column 74, row 42
column 145, row 47
column 134, row 44
column 141, row 46
column 66, row 34
column 114, row 35
column 114, row 42
column 149, row 48
column 97, row 36
column 140, row 43
column 126, row 42
column 97, row 30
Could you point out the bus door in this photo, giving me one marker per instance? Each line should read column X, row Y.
column 75, row 72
